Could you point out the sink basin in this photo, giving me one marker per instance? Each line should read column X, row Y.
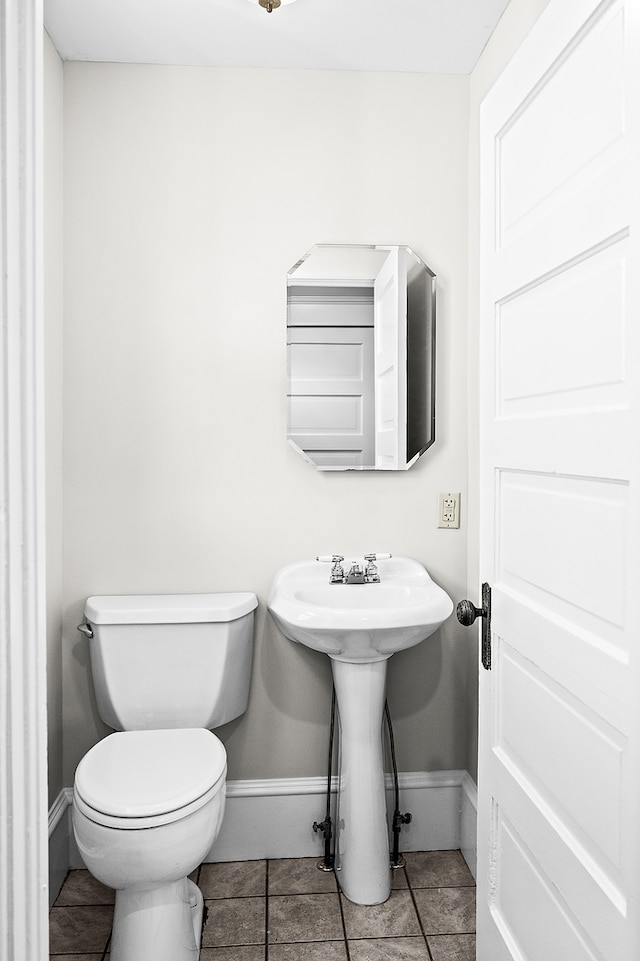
column 358, row 622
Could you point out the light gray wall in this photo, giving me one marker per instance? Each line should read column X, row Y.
column 516, row 22
column 189, row 192
column 53, row 311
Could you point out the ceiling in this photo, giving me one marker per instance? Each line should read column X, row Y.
column 421, row 36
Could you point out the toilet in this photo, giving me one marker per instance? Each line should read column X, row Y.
column 148, row 800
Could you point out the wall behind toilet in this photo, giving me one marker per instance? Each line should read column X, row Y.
column 188, row 194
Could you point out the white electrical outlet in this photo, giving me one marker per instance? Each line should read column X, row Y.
column 449, row 509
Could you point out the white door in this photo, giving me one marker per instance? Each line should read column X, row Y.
column 390, row 312
column 558, row 787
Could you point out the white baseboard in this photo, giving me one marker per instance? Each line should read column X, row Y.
column 468, row 822
column 274, row 819
column 271, row 819
column 60, row 834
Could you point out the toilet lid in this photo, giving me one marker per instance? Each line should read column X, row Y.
column 141, row 774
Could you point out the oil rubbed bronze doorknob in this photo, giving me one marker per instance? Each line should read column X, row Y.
column 467, row 612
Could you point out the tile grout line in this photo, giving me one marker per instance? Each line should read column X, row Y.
column 415, row 908
column 106, row 948
column 266, row 911
column 344, row 926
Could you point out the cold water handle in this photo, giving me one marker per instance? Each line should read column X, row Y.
column 371, row 575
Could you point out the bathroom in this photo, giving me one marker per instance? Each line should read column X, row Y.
column 176, row 475
column 167, row 463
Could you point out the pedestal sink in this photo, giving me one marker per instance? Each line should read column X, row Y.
column 360, row 626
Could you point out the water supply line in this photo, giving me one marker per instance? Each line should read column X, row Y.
column 324, row 827
column 397, row 861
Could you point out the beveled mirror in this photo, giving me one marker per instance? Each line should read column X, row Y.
column 361, row 357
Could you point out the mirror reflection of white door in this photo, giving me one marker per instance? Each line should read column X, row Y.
column 331, row 395
column 390, row 366
column 559, row 766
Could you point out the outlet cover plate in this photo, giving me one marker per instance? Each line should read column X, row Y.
column 449, row 509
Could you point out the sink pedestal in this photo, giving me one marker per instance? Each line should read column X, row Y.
column 362, row 855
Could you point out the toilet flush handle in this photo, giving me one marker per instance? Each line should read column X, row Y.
column 85, row 629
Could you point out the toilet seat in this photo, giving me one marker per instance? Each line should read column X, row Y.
column 140, row 779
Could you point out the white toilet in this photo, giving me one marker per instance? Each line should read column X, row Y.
column 148, row 801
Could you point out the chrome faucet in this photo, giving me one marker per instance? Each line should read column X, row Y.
column 357, row 574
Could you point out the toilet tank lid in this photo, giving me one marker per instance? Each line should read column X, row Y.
column 169, row 608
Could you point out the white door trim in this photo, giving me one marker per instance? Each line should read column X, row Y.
column 23, row 743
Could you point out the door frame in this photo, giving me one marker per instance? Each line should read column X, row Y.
column 23, row 733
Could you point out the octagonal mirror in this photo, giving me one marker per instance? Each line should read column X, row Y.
column 361, row 357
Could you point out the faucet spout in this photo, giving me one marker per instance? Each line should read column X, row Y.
column 355, row 575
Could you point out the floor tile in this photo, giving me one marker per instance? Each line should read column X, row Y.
column 79, row 929
column 303, row 913
column 245, row 952
column 299, row 876
column 389, row 949
column 447, row 910
column 309, row 951
column 236, row 879
column 80, row 887
column 234, row 921
column 305, row 917
column 395, row 918
column 457, row 947
column 437, row 869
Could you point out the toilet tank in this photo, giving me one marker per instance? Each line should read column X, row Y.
column 171, row 660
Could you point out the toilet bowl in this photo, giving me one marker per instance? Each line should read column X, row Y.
column 148, row 800
column 147, row 807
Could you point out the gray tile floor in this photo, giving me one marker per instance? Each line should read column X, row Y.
column 288, row 910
